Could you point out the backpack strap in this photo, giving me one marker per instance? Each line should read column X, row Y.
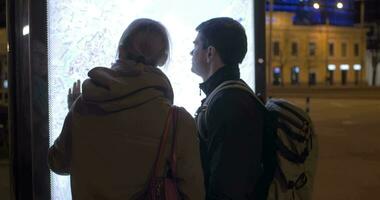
column 228, row 85
column 238, row 84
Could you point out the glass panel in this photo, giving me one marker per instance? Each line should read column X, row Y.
column 83, row 34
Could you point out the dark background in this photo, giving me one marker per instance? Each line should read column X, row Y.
column 372, row 8
column 2, row 14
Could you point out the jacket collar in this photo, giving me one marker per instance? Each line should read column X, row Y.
column 225, row 73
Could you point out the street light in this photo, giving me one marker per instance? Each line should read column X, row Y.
column 316, row 5
column 339, row 5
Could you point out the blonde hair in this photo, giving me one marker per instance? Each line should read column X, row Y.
column 146, row 41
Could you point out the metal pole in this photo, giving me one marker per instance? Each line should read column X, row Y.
column 260, row 54
column 374, row 66
column 307, row 105
column 363, row 42
column 269, row 67
column 327, row 21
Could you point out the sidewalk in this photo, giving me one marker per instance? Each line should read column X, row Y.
column 321, row 91
column 349, row 161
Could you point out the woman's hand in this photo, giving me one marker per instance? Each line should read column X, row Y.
column 74, row 93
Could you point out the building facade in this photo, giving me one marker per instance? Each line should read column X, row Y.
column 315, row 42
column 314, row 53
column 373, row 53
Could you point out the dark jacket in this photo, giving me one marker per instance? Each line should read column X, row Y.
column 231, row 141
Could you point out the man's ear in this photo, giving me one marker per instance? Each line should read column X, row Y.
column 210, row 53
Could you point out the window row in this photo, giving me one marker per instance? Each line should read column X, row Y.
column 277, row 75
column 312, row 49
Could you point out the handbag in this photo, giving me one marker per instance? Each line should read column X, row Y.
column 165, row 188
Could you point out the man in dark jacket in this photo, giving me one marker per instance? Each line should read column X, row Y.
column 231, row 132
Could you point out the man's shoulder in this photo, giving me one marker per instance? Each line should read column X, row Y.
column 235, row 100
column 231, row 95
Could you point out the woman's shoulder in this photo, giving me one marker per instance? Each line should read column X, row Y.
column 183, row 114
column 186, row 122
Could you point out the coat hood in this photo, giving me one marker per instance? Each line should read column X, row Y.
column 125, row 85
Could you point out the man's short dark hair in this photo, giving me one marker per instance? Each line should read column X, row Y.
column 227, row 36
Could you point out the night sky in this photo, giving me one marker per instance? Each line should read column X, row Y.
column 372, row 8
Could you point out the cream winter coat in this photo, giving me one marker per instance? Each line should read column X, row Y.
column 111, row 135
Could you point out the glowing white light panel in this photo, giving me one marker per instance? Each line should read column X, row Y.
column 83, row 34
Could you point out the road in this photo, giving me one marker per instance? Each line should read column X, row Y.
column 333, row 92
column 349, row 141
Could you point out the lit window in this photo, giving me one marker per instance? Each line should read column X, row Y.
column 357, row 67
column 277, row 70
column 344, row 67
column 5, row 84
column 296, row 70
column 331, row 67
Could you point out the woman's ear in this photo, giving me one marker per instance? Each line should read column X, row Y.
column 122, row 53
column 163, row 59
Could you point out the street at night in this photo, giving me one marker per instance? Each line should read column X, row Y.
column 349, row 151
column 322, row 55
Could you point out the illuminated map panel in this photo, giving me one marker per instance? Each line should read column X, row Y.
column 83, row 34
